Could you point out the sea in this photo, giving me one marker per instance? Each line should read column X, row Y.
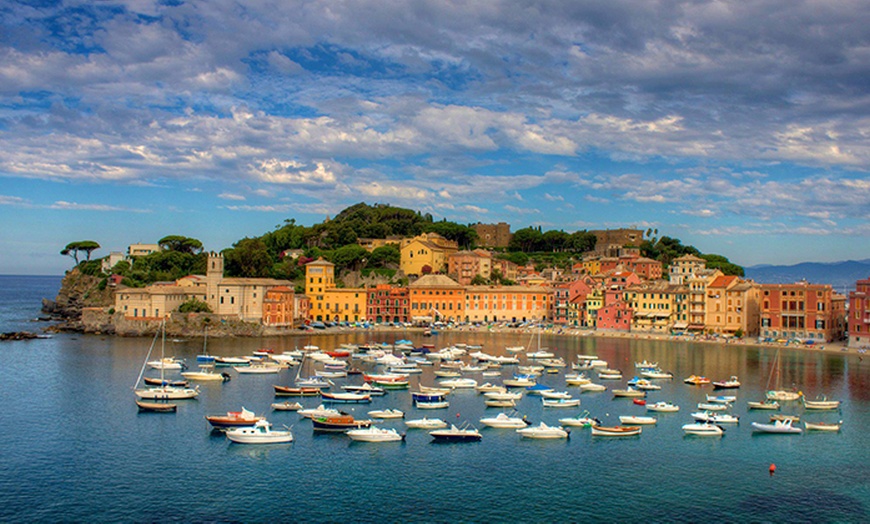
column 75, row 448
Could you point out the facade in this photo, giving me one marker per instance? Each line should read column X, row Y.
column 615, row 314
column 154, row 301
column 278, row 306
column 684, row 267
column 463, row 266
column 506, row 268
column 370, row 244
column 610, row 242
column 802, row 311
column 141, row 250
column 561, row 303
column 386, row 303
column 507, row 303
column 732, row 306
column 427, row 250
column 112, row 260
column 656, row 306
column 301, row 308
column 859, row 315
column 493, row 235
column 327, row 302
column 436, row 297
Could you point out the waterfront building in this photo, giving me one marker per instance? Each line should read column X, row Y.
column 615, row 314
column 387, row 303
column 493, row 235
column 656, row 306
column 328, row 302
column 278, row 306
column 154, row 301
column 568, row 301
column 802, row 311
column 507, row 303
column 732, row 306
column 859, row 315
column 436, row 297
column 594, row 302
column 429, row 250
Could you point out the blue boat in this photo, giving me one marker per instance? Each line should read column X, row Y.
column 537, row 389
column 426, row 397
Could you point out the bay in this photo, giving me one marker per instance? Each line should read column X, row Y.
column 77, row 449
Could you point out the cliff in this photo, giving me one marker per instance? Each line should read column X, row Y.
column 179, row 325
column 77, row 292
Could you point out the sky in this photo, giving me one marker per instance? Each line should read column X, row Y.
column 739, row 127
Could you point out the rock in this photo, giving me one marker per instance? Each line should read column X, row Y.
column 19, row 335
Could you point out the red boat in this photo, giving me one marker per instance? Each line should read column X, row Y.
column 233, row 419
column 285, row 391
column 338, row 353
column 640, row 402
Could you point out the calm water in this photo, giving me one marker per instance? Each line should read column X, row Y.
column 76, row 449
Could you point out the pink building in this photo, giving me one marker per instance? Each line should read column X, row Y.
column 616, row 314
column 859, row 315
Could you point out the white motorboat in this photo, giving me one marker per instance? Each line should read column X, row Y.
column 721, row 399
column 783, row 396
column 663, row 407
column 454, row 434
column 646, row 365
column 657, row 375
column 488, row 387
column 543, row 431
column 167, row 363
column 434, row 404
column 515, row 349
column 520, row 381
column 366, row 389
column 710, row 406
column 493, row 403
column 387, row 413
column 779, row 426
column 206, row 374
column 550, row 394
column 534, row 371
column 375, row 434
column 716, row 418
column 577, row 379
column 503, row 395
column 426, row 423
column 823, row 426
column 645, row 385
column 561, row 402
column 731, row 383
column 258, row 369
column 636, row 420
column 591, row 387
column 543, row 353
column 503, row 420
column 259, row 433
column 582, row 420
column 610, row 375
column 766, row 404
column 319, row 411
column 629, row 392
column 286, row 406
column 459, row 383
column 449, row 373
column 703, row 429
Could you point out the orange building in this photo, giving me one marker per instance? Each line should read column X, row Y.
column 436, row 297
column 278, row 307
column 386, row 303
column 802, row 311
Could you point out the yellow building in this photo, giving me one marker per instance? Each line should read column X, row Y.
column 507, row 303
column 733, row 306
column 594, row 302
column 657, row 306
column 370, row 244
column 697, row 283
column 141, row 250
column 427, row 250
column 592, row 265
column 327, row 302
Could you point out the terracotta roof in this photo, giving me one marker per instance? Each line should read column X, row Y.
column 723, row 281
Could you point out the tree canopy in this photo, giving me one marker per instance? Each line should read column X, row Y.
column 84, row 246
column 180, row 244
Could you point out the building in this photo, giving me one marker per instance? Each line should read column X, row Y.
column 436, row 297
column 386, row 303
column 802, row 311
column 278, row 306
column 370, row 244
column 141, row 250
column 507, row 303
column 155, row 301
column 112, row 260
column 656, row 306
column 615, row 314
column 505, row 268
column 327, row 302
column 859, row 315
column 425, row 254
column 493, row 235
column 464, row 266
column 684, row 267
column 732, row 306
column 610, row 242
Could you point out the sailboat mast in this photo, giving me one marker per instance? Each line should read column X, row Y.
column 145, row 362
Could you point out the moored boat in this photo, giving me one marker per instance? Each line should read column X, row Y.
column 821, row 404
column 616, row 431
column 823, row 426
column 387, row 413
column 432, row 404
column 346, row 398
column 375, row 434
column 259, row 433
column 663, row 407
column 233, row 419
column 582, row 420
column 629, row 392
column 342, row 422
column 286, row 406
column 561, row 402
column 765, row 404
column 697, row 380
column 503, row 420
column 454, row 434
column 780, row 426
column 591, row 387
column 426, row 423
column 637, row 420
column 703, row 429
column 157, row 407
column 543, row 431
column 731, row 383
column 286, row 391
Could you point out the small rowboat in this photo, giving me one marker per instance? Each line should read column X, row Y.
column 821, row 404
column 338, row 423
column 387, row 413
column 173, row 383
column 284, row 391
column 767, row 404
column 823, row 426
column 630, row 419
column 615, row 431
column 157, row 407
column 639, row 401
column 286, row 406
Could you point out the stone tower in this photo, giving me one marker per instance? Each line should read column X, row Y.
column 214, row 273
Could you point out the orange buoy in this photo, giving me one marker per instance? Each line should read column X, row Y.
column 772, row 469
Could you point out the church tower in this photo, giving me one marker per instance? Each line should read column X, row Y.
column 214, row 273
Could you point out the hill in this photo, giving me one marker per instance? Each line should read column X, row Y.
column 841, row 275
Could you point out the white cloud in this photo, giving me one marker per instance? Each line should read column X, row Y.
column 231, row 196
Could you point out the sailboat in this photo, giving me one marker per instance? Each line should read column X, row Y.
column 206, row 371
column 779, row 394
column 163, row 392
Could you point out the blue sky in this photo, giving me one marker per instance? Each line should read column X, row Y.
column 742, row 128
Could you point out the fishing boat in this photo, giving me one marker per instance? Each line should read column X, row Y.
column 663, row 407
column 560, row 402
column 543, row 431
column 233, row 419
column 616, row 431
column 503, row 420
column 366, row 389
column 582, row 420
column 286, row 391
column 629, row 392
column 779, row 426
column 731, row 383
column 697, row 380
column 765, row 404
column 821, row 404
column 426, row 423
column 345, row 398
column 319, row 411
column 637, row 420
column 454, row 434
column 338, row 423
column 157, row 407
column 432, row 404
column 459, row 383
column 375, row 434
column 260, row 433
column 162, row 392
column 716, row 418
column 703, row 429
column 387, row 413
column 823, row 426
column 286, row 406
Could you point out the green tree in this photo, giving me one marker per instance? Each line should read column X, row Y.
column 517, row 257
column 350, row 256
column 84, row 246
column 462, row 235
column 723, row 264
column 526, row 240
column 554, row 240
column 383, row 256
column 479, row 280
column 194, row 306
column 248, row 258
column 180, row 244
column 581, row 241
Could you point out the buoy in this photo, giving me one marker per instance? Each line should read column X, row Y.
column 772, row 469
